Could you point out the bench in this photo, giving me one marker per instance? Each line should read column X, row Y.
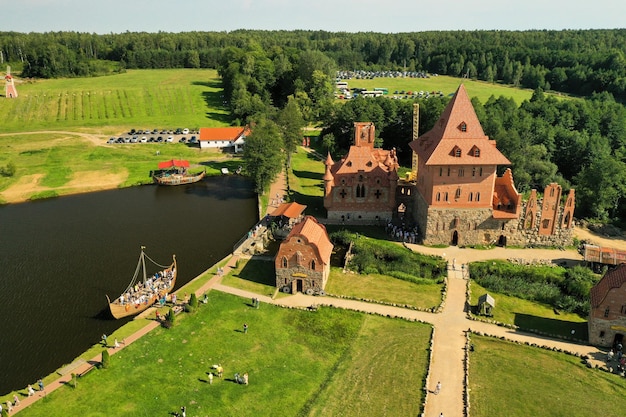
column 86, row 371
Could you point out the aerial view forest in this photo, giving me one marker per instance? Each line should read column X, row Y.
column 571, row 131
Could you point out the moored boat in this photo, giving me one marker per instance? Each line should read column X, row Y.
column 143, row 290
column 175, row 172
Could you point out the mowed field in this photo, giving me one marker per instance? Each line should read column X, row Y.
column 142, row 99
column 447, row 85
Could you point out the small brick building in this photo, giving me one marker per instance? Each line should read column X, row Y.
column 303, row 259
column 607, row 317
column 362, row 185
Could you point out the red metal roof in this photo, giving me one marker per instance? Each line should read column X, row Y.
column 178, row 163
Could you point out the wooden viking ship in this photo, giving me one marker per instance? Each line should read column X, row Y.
column 143, row 290
column 174, row 172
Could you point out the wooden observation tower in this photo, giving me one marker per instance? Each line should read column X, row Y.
column 9, row 91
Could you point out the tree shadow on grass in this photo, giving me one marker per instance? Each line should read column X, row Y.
column 314, row 204
column 552, row 326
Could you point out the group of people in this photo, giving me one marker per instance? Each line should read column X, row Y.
column 402, row 232
column 10, row 404
column 155, row 287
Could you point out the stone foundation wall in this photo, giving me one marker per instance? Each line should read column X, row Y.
column 313, row 280
column 598, row 325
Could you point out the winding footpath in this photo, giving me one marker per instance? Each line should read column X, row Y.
column 450, row 325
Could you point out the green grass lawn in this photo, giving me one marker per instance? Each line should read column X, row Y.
column 253, row 275
column 513, row 380
column 61, row 160
column 306, row 183
column 296, row 360
column 142, row 99
column 530, row 315
column 384, row 288
column 447, row 85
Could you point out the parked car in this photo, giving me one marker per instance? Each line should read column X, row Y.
column 111, row 140
column 143, row 139
column 170, row 139
column 182, row 140
column 185, row 131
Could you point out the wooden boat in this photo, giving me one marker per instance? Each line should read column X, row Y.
column 143, row 291
column 174, row 172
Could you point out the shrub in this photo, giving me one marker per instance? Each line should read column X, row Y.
column 193, row 300
column 8, row 170
column 106, row 359
column 170, row 318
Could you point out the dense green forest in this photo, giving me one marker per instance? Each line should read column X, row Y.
column 287, row 78
column 578, row 62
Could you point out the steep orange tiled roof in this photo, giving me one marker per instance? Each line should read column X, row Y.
column 361, row 158
column 458, row 128
column 316, row 235
column 612, row 279
column 223, row 133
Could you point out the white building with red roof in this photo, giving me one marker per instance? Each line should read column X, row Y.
column 231, row 139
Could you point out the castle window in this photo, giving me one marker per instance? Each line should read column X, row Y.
column 448, row 171
column 461, row 172
column 473, row 171
column 349, row 163
column 369, row 163
column 463, row 127
column 377, row 180
column 602, row 333
column 446, row 196
column 552, row 192
column 440, row 171
column 457, row 153
column 606, row 312
column 478, row 196
column 476, row 152
column 360, row 178
column 458, row 193
column 470, row 197
column 343, row 193
column 313, row 264
column 284, row 262
column 438, row 197
column 378, row 194
column 343, row 181
column 546, row 224
column 480, row 171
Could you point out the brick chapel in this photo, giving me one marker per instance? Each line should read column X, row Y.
column 607, row 315
column 460, row 199
column 362, row 185
column 303, row 259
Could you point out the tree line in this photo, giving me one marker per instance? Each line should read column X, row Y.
column 279, row 81
column 577, row 62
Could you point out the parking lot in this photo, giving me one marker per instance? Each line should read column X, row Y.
column 186, row 136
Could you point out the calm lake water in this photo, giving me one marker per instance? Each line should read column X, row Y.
column 61, row 256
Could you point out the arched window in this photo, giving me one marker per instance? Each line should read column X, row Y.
column 440, row 171
column 461, row 172
column 478, row 196
column 473, row 171
column 606, row 312
column 463, row 127
column 476, row 152
column 470, row 197
column 446, row 196
column 438, row 197
column 480, row 171
column 284, row 262
column 313, row 264
column 457, row 153
column 458, row 193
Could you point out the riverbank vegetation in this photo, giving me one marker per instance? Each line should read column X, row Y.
column 311, row 356
column 512, row 377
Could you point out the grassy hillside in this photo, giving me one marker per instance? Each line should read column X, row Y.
column 144, row 99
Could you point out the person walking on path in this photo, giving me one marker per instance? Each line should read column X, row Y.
column 31, row 390
column 245, row 328
column 437, row 388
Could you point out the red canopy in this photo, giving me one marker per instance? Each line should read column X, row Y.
column 178, row 163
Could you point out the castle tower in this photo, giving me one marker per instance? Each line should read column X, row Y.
column 10, row 91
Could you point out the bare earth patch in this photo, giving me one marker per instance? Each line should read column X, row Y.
column 82, row 182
